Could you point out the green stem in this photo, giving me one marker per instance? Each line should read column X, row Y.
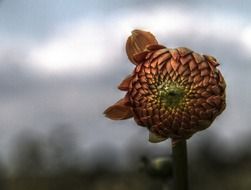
column 180, row 165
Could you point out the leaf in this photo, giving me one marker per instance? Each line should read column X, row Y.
column 153, row 138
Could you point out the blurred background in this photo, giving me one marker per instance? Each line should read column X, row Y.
column 60, row 64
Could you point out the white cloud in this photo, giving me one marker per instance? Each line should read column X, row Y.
column 78, row 46
column 180, row 21
column 246, row 39
column 92, row 45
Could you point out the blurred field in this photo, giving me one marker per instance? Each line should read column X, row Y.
column 30, row 169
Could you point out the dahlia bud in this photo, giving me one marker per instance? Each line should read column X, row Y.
column 172, row 92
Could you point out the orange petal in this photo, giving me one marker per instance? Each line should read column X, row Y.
column 124, row 85
column 119, row 110
column 212, row 60
column 137, row 43
column 155, row 47
column 140, row 57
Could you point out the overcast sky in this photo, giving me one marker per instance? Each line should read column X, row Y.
column 60, row 63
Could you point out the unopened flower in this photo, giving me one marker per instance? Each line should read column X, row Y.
column 172, row 92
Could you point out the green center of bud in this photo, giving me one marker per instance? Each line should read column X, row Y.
column 171, row 95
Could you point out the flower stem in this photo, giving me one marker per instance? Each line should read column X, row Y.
column 180, row 165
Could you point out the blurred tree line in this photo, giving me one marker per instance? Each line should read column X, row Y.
column 57, row 162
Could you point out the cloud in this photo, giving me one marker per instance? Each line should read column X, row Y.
column 246, row 39
column 90, row 46
column 82, row 45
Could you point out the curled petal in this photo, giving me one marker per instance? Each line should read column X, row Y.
column 119, row 111
column 212, row 60
column 203, row 124
column 140, row 57
column 137, row 43
column 124, row 85
column 155, row 47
